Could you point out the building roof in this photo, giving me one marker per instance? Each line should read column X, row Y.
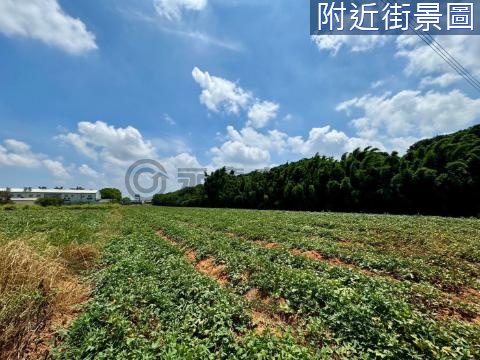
column 50, row 191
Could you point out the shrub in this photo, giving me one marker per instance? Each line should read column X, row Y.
column 49, row 202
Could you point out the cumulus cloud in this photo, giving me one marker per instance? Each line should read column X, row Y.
column 18, row 153
column 357, row 43
column 410, row 114
column 220, row 94
column 397, row 120
column 442, row 80
column 171, row 165
column 421, row 60
column 272, row 140
column 45, row 20
column 328, row 142
column 172, row 9
column 238, row 154
column 57, row 169
column 249, row 148
column 86, row 170
column 261, row 113
column 117, row 146
column 388, row 122
column 17, row 146
column 114, row 149
column 14, row 153
column 80, row 143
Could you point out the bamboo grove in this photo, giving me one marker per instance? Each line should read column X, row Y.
column 439, row 176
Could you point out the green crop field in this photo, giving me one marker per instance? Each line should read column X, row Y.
column 179, row 283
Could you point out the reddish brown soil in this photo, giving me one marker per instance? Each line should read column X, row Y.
column 207, row 266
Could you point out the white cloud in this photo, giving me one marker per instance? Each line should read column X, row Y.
column 207, row 39
column 114, row 149
column 198, row 38
column 116, row 146
column 328, row 142
column 377, row 84
column 422, row 60
column 388, row 122
column 410, row 115
column 17, row 153
column 273, row 140
column 169, row 120
column 88, row 171
column 220, row 94
column 247, row 148
column 261, row 113
column 57, row 169
column 45, row 20
column 14, row 153
column 251, row 149
column 80, row 143
column 357, row 43
column 240, row 155
column 17, row 146
column 395, row 121
column 442, row 80
column 172, row 9
column 171, row 165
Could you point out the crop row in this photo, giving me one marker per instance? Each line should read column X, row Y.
column 422, row 296
column 150, row 302
column 356, row 310
column 442, row 252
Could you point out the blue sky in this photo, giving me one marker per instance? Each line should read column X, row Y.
column 88, row 87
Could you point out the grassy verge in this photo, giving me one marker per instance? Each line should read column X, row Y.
column 44, row 254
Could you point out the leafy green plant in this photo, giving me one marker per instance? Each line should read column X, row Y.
column 293, row 285
column 49, row 202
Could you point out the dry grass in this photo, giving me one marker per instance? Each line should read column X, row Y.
column 35, row 292
column 79, row 257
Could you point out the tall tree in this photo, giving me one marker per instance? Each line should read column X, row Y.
column 111, row 194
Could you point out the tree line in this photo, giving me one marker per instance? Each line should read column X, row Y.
column 438, row 176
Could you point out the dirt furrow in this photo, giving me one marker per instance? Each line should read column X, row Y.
column 262, row 320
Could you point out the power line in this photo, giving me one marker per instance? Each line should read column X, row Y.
column 442, row 52
column 451, row 61
column 455, row 61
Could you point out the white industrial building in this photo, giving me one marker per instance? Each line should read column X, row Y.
column 29, row 195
